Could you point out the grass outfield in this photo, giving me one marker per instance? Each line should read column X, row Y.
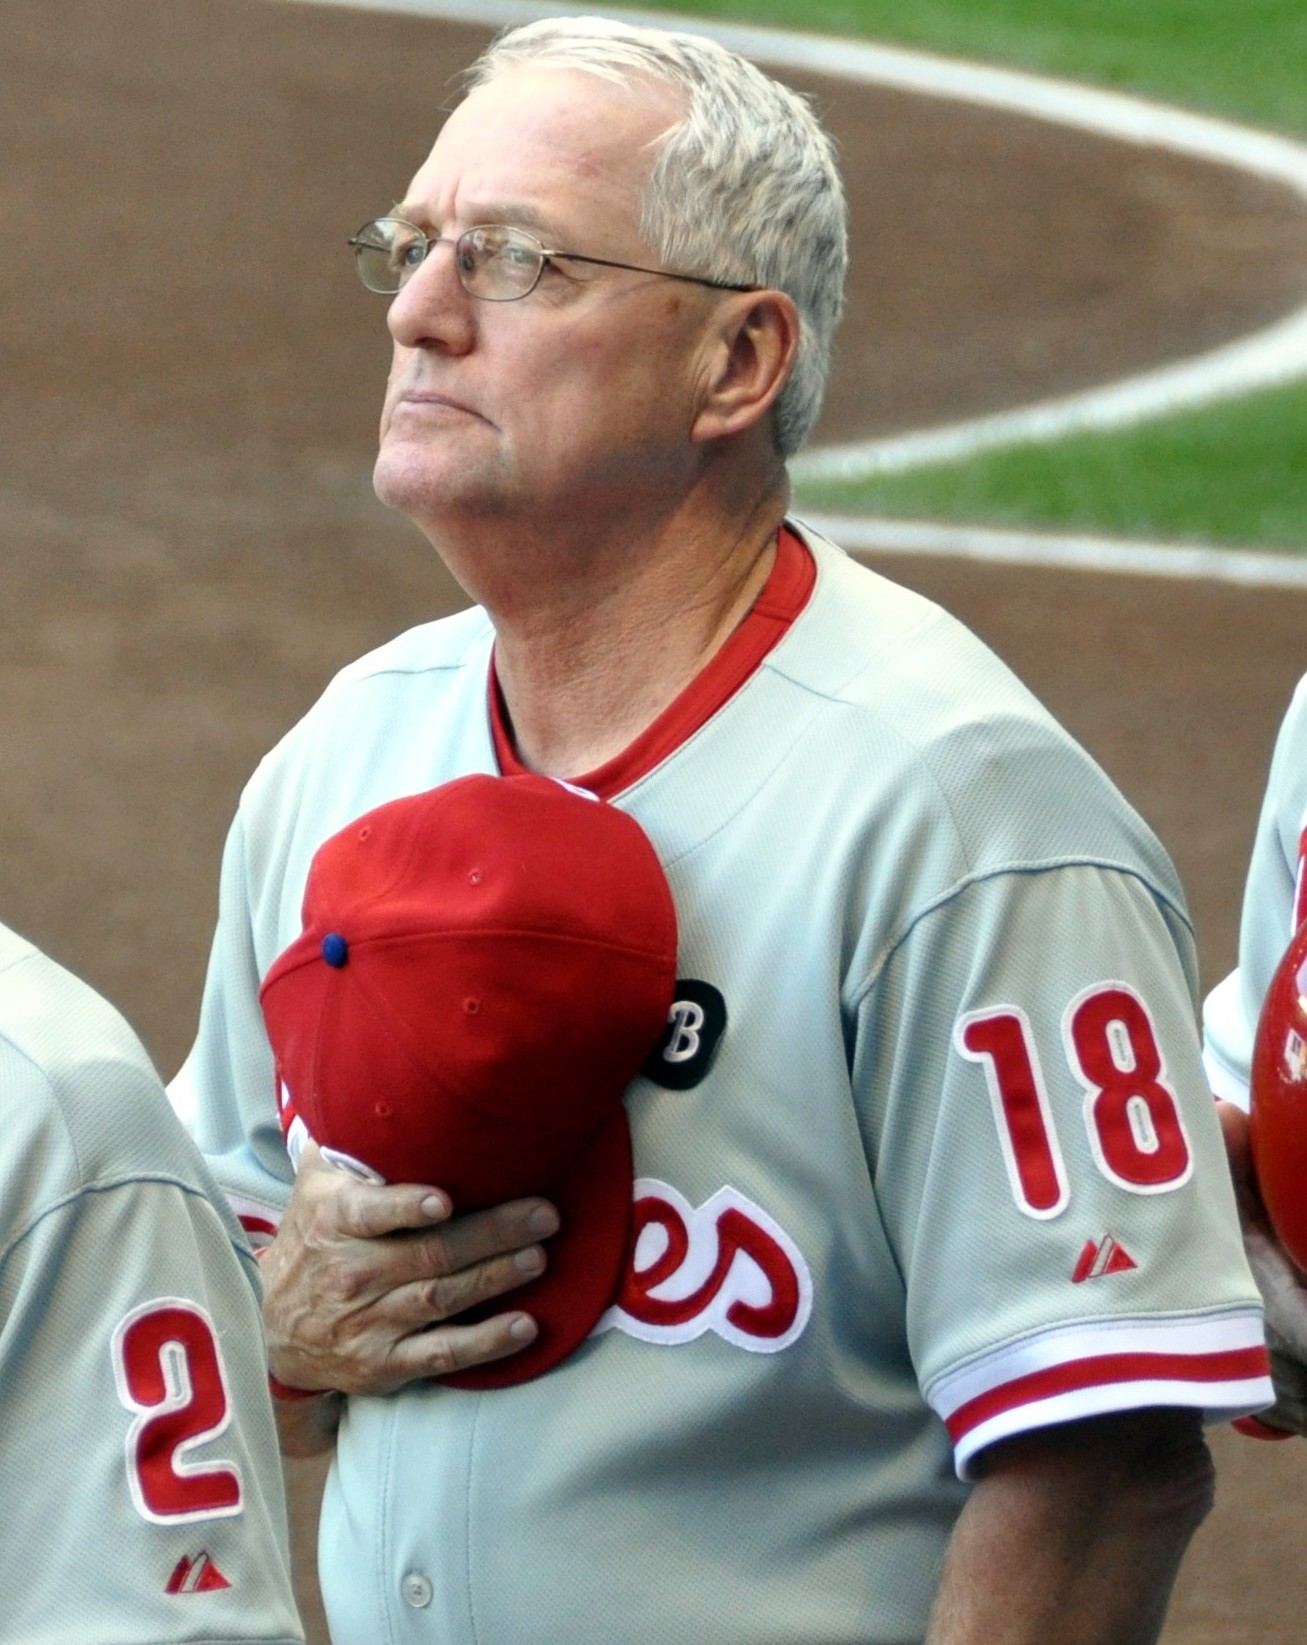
column 1235, row 473
column 1244, row 60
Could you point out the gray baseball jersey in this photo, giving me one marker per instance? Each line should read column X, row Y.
column 137, row 1449
column 1274, row 905
column 927, row 1158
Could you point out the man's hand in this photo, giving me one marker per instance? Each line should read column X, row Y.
column 1281, row 1285
column 360, row 1280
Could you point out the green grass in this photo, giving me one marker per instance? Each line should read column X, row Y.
column 1246, row 60
column 1234, row 473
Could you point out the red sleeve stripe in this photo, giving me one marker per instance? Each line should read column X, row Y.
column 1234, row 1365
column 258, row 1221
column 1255, row 1428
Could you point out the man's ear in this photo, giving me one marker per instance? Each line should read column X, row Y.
column 751, row 355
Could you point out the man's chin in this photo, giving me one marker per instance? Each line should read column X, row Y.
column 404, row 482
column 432, row 495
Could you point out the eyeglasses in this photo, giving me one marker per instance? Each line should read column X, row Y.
column 495, row 263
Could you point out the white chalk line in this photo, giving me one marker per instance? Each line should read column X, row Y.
column 1269, row 358
column 1075, row 551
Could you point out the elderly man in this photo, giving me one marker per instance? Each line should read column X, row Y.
column 935, row 1269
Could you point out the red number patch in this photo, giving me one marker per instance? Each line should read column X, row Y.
column 169, row 1371
column 1002, row 1043
column 1135, row 1130
column 1131, row 1115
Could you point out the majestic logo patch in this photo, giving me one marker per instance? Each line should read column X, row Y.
column 196, row 1576
column 695, row 1025
column 1101, row 1257
column 724, row 1266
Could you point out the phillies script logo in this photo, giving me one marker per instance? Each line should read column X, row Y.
column 723, row 1266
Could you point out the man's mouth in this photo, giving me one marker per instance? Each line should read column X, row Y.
column 433, row 401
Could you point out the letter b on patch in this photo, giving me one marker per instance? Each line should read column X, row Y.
column 695, row 1025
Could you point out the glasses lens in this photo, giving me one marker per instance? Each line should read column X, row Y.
column 386, row 253
column 499, row 264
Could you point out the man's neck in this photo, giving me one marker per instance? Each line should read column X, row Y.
column 592, row 660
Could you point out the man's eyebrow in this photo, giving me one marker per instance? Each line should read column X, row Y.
column 512, row 214
column 517, row 215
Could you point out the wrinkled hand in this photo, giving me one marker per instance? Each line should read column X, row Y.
column 361, row 1278
column 1284, row 1291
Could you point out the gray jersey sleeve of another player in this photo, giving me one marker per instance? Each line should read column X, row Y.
column 1047, row 1159
column 1231, row 1010
column 138, row 1448
column 225, row 1091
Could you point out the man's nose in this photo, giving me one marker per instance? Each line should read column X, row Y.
column 431, row 309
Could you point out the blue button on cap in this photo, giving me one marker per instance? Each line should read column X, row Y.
column 335, row 950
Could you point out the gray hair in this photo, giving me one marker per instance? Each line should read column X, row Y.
column 745, row 189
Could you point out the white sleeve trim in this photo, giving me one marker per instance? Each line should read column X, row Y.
column 1215, row 1363
column 259, row 1219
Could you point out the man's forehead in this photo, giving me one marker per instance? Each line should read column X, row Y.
column 539, row 86
column 531, row 139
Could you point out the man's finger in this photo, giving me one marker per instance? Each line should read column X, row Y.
column 450, row 1348
column 431, row 1301
column 345, row 1206
column 464, row 1261
column 467, row 1240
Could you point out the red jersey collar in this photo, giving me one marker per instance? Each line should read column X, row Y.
column 786, row 592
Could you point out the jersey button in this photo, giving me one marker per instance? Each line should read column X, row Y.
column 416, row 1590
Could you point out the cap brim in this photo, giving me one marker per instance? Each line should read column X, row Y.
column 586, row 1258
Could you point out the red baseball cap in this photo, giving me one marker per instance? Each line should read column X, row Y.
column 482, row 970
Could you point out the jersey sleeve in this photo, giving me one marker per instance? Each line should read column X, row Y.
column 1048, row 1162
column 1272, row 908
column 137, row 1438
column 225, row 1091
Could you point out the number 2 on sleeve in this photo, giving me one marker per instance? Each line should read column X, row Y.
column 169, row 1371
column 1135, row 1131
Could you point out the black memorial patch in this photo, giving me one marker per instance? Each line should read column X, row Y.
column 695, row 1026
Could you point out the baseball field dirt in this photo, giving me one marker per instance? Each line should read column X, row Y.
column 189, row 546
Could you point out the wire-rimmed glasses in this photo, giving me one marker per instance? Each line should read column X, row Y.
column 495, row 262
